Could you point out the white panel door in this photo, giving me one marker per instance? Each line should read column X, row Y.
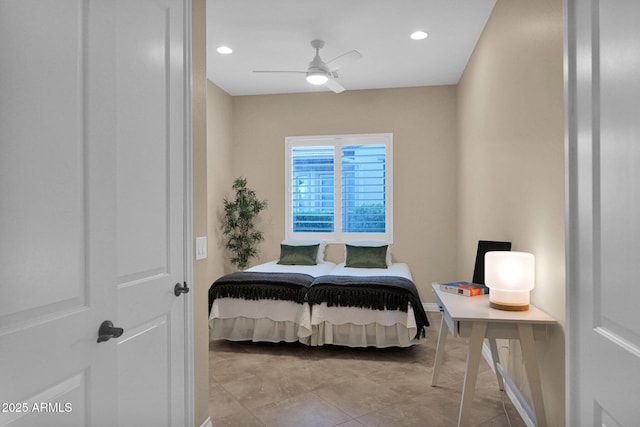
column 150, row 211
column 603, row 128
column 57, row 213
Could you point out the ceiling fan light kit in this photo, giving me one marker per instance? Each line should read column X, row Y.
column 317, row 78
column 321, row 73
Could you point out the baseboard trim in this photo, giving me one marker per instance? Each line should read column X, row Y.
column 207, row 423
column 515, row 396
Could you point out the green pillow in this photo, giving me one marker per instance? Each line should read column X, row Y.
column 366, row 256
column 298, row 255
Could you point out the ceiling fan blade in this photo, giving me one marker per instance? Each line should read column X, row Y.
column 280, row 71
column 334, row 86
column 343, row 60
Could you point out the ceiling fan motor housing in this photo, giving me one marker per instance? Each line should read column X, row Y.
column 317, row 66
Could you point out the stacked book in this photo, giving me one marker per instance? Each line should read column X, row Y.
column 465, row 288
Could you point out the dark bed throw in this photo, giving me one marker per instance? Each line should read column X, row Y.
column 253, row 285
column 377, row 293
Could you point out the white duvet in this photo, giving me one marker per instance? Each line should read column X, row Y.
column 312, row 270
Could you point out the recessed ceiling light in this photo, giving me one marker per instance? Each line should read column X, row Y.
column 419, row 35
column 225, row 50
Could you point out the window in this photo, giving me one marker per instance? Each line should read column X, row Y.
column 339, row 187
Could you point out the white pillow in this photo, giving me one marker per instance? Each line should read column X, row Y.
column 309, row 242
column 370, row 243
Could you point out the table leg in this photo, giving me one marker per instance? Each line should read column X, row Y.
column 442, row 340
column 478, row 331
column 531, row 366
column 495, row 356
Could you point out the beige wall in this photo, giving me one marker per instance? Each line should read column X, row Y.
column 218, row 164
column 423, row 123
column 511, row 159
column 219, row 178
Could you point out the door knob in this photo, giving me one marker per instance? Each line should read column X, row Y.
column 177, row 290
column 108, row 331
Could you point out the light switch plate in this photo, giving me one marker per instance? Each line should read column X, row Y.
column 201, row 248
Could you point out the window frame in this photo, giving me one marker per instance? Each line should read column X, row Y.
column 337, row 142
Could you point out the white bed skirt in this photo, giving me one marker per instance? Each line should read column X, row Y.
column 257, row 330
column 360, row 327
column 236, row 319
column 275, row 321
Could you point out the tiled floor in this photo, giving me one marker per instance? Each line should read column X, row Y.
column 281, row 385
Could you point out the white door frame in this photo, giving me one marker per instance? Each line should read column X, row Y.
column 188, row 220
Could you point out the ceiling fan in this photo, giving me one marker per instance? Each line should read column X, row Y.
column 321, row 73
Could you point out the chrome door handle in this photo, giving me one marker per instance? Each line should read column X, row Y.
column 177, row 289
column 108, row 331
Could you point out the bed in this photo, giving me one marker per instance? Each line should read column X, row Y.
column 357, row 303
column 270, row 317
column 356, row 323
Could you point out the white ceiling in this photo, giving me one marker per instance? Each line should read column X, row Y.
column 275, row 35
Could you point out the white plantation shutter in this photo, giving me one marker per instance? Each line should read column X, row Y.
column 312, row 184
column 339, row 187
column 363, row 188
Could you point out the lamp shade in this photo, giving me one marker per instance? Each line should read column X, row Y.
column 510, row 277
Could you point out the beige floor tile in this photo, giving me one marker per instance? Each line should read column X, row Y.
column 408, row 414
column 222, row 404
column 256, row 391
column 351, row 423
column 242, row 418
column 358, row 396
column 306, row 410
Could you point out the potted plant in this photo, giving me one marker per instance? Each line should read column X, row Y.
column 238, row 226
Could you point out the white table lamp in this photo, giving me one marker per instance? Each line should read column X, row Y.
column 510, row 277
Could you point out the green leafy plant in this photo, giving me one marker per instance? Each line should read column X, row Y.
column 239, row 216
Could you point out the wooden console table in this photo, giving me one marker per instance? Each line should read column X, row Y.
column 473, row 318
